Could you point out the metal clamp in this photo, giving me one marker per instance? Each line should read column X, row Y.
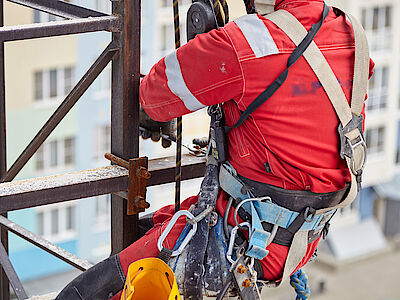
column 347, row 146
column 169, row 227
column 138, row 176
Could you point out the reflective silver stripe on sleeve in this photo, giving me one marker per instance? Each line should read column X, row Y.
column 177, row 85
column 257, row 35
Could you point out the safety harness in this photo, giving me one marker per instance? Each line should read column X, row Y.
column 264, row 209
column 352, row 143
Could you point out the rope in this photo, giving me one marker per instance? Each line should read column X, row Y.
column 218, row 5
column 178, row 168
column 299, row 281
column 226, row 11
column 221, row 6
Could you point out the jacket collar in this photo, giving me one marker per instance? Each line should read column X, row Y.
column 285, row 3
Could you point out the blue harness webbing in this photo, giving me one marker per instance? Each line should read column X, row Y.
column 264, row 210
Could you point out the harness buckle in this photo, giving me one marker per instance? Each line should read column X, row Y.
column 309, row 214
column 348, row 146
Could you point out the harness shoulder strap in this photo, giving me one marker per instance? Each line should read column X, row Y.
column 349, row 116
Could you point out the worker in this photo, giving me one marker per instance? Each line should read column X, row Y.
column 287, row 149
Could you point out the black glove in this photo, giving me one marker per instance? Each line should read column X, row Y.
column 156, row 130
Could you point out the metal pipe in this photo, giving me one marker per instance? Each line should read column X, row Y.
column 125, row 113
column 11, row 274
column 47, row 246
column 4, row 282
column 57, row 28
column 117, row 160
column 60, row 8
column 88, row 183
column 87, row 79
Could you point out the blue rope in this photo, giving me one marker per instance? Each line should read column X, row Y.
column 299, row 281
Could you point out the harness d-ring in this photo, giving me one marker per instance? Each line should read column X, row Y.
column 169, row 227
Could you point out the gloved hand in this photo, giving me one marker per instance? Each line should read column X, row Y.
column 156, row 130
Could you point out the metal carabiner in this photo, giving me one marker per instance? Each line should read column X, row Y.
column 232, row 240
column 169, row 227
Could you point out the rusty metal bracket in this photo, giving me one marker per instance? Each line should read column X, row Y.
column 138, row 176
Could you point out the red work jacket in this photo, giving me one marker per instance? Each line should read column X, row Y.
column 291, row 141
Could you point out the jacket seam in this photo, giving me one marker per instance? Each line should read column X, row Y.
column 217, row 85
column 266, row 144
column 164, row 103
column 240, row 65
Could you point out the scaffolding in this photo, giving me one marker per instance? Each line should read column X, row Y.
column 124, row 53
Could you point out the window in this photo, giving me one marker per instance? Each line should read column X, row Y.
column 165, row 3
column 105, row 80
column 53, row 145
column 56, row 221
column 375, row 140
column 103, row 213
column 38, row 77
column 70, row 218
column 102, row 141
column 398, row 144
column 39, row 161
column 55, row 154
column 103, row 6
column 53, row 85
column 68, row 80
column 377, row 22
column 69, row 153
column 40, row 223
column 103, row 207
column 42, row 17
column 378, row 89
column 167, row 38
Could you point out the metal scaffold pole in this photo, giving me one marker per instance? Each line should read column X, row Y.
column 4, row 282
column 125, row 113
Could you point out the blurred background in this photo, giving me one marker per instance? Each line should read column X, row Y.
column 359, row 260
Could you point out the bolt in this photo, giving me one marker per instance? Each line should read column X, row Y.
column 246, row 283
column 241, row 269
column 142, row 172
column 140, row 202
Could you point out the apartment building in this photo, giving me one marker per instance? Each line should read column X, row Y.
column 381, row 129
column 39, row 73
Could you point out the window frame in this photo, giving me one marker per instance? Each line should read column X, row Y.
column 62, row 233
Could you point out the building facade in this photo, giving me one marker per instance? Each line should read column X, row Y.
column 39, row 73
